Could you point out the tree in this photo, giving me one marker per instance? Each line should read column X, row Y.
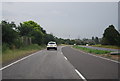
column 27, row 28
column 96, row 40
column 9, row 35
column 111, row 36
column 48, row 37
column 33, row 30
column 37, row 37
column 93, row 38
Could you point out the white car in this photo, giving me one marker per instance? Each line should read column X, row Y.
column 51, row 45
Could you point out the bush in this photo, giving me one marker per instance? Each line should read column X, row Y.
column 5, row 47
column 18, row 43
column 31, row 47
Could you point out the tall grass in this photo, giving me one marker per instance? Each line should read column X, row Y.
column 11, row 54
column 89, row 50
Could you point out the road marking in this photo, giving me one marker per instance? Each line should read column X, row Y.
column 65, row 58
column 81, row 76
column 17, row 61
column 76, row 71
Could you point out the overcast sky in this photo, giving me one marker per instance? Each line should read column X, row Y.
column 65, row 19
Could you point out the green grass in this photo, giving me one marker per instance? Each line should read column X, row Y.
column 89, row 50
column 106, row 46
column 9, row 55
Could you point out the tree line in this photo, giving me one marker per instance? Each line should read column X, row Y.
column 28, row 32
column 110, row 37
column 13, row 36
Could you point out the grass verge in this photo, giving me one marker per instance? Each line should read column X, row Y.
column 106, row 46
column 89, row 50
column 101, row 53
column 9, row 55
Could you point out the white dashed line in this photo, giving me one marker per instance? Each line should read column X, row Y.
column 81, row 76
column 65, row 58
column 18, row 61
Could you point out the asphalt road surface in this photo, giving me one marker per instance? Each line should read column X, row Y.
column 90, row 66
column 43, row 65
column 65, row 63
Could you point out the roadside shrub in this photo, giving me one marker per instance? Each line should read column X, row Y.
column 18, row 43
column 5, row 47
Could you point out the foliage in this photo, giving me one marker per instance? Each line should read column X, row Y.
column 48, row 37
column 5, row 47
column 33, row 30
column 28, row 28
column 9, row 35
column 18, row 43
column 37, row 37
column 89, row 50
column 111, row 36
column 95, row 40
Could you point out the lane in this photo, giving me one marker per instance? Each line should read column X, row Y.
column 43, row 65
column 91, row 67
column 99, row 48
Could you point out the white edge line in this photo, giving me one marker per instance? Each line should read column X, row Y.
column 65, row 58
column 17, row 61
column 104, row 58
column 80, row 75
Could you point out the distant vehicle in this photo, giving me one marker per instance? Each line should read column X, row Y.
column 51, row 45
column 74, row 44
column 87, row 44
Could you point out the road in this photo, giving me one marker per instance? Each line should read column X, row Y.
column 43, row 65
column 90, row 66
column 65, row 63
